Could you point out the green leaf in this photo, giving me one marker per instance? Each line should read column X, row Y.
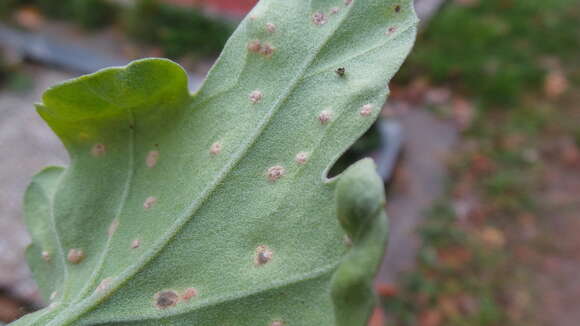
column 215, row 208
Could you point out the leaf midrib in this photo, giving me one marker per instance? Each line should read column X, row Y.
column 122, row 203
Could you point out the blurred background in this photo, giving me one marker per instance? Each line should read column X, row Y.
column 479, row 144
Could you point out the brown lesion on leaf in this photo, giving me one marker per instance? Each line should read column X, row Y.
column 254, row 46
column 75, row 255
column 149, row 202
column 366, row 110
column 275, row 172
column 189, row 293
column 135, row 244
column 256, row 96
column 152, row 158
column 270, row 27
column 263, row 255
column 325, row 116
column 215, row 148
column 46, row 256
column 301, row 158
column 319, row 18
column 265, row 49
column 98, row 150
column 166, row 299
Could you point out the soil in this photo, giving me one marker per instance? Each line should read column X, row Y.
column 556, row 263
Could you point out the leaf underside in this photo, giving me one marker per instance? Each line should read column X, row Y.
column 214, row 208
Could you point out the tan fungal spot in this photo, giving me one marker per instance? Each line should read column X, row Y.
column 149, row 202
column 152, row 158
column 189, row 293
column 46, row 256
column 98, row 150
column 75, row 255
column 267, row 50
column 366, row 110
column 275, row 172
column 270, row 27
column 254, row 46
column 319, row 18
column 256, row 96
column 135, row 244
column 334, row 10
column 347, row 2
column 113, row 227
column 277, row 323
column 166, row 299
column 263, row 255
column 53, row 295
column 215, row 148
column 325, row 116
column 104, row 285
column 301, row 158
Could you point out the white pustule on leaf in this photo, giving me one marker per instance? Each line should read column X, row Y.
column 256, row 96
column 325, row 116
column 149, row 202
column 152, row 158
column 366, row 110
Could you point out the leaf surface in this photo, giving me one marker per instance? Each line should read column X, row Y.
column 214, row 208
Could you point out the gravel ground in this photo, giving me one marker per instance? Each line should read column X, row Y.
column 27, row 145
